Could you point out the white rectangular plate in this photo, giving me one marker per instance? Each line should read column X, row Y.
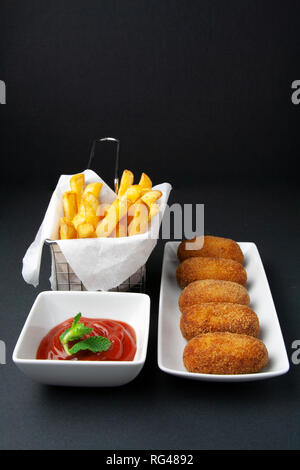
column 171, row 342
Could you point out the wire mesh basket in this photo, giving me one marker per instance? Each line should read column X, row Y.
column 65, row 278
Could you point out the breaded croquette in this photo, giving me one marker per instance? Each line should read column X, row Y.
column 218, row 316
column 213, row 291
column 215, row 247
column 225, row 353
column 194, row 269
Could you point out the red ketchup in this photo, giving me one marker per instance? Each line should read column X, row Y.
column 121, row 335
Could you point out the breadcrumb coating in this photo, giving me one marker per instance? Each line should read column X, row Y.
column 213, row 291
column 225, row 353
column 218, row 316
column 199, row 268
column 215, row 247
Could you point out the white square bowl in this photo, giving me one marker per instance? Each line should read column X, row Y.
column 51, row 308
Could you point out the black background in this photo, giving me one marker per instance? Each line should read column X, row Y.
column 199, row 92
column 186, row 85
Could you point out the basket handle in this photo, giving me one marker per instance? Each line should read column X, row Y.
column 92, row 154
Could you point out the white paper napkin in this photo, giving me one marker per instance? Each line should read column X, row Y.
column 100, row 263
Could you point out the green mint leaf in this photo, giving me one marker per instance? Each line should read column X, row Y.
column 75, row 321
column 93, row 343
column 63, row 335
column 76, row 318
column 76, row 331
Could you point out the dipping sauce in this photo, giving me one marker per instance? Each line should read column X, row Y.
column 121, row 335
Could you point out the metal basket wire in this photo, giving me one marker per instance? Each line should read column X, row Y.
column 65, row 278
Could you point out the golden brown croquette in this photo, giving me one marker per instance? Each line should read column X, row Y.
column 215, row 247
column 218, row 316
column 225, row 353
column 194, row 269
column 210, row 290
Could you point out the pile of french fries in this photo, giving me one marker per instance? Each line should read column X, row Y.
column 130, row 213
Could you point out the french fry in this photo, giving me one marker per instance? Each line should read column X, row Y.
column 145, row 182
column 93, row 188
column 89, row 200
column 151, row 196
column 78, row 219
column 120, row 230
column 69, row 204
column 92, row 219
column 126, row 182
column 86, row 231
column 77, row 186
column 115, row 212
column 154, row 209
column 129, row 214
column 89, row 207
column 139, row 223
column 145, row 190
column 66, row 229
column 102, row 211
column 133, row 193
